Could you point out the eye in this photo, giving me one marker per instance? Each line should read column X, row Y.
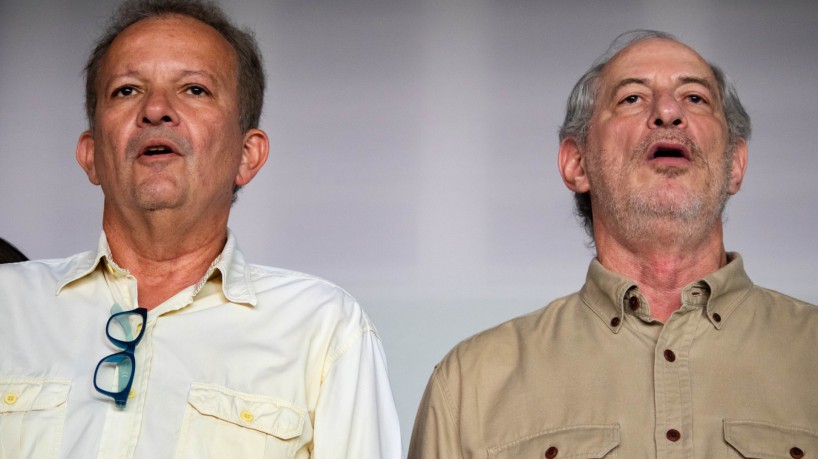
column 696, row 99
column 124, row 91
column 196, row 90
column 631, row 99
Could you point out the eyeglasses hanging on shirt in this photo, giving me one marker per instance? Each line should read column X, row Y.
column 114, row 374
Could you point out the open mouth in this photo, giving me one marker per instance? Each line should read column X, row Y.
column 668, row 153
column 667, row 150
column 157, row 150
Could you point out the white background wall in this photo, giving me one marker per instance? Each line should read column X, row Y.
column 414, row 148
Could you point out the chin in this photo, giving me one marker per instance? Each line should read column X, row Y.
column 159, row 199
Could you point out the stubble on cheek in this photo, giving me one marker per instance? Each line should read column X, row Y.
column 637, row 213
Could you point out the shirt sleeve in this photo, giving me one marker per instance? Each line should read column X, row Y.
column 356, row 416
column 435, row 434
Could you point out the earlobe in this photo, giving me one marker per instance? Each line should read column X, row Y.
column 572, row 166
column 253, row 156
column 738, row 167
column 85, row 156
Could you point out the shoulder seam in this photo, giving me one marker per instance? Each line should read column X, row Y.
column 339, row 351
column 439, row 381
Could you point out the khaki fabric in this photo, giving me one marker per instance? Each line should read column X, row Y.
column 733, row 373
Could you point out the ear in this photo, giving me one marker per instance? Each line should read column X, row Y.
column 572, row 166
column 253, row 156
column 738, row 167
column 85, row 156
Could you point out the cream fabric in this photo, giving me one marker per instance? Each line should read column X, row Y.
column 252, row 362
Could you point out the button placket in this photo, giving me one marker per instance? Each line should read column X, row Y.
column 122, row 425
column 672, row 381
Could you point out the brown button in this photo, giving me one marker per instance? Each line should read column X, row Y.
column 615, row 321
column 670, row 356
column 717, row 317
column 633, row 303
column 551, row 452
column 796, row 452
column 673, row 435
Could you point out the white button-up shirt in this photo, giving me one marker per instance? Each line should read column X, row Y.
column 251, row 362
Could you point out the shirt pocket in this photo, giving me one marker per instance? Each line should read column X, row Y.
column 220, row 422
column 762, row 440
column 32, row 416
column 587, row 441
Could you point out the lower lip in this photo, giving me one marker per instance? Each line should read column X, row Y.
column 670, row 161
column 156, row 158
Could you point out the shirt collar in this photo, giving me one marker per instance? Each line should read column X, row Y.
column 605, row 293
column 728, row 287
column 609, row 295
column 235, row 272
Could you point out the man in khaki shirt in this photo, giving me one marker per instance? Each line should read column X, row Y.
column 668, row 350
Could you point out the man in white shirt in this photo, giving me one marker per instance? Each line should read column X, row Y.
column 164, row 342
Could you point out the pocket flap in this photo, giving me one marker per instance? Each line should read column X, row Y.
column 29, row 394
column 265, row 414
column 762, row 440
column 587, row 441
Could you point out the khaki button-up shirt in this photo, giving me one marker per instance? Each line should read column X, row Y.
column 733, row 373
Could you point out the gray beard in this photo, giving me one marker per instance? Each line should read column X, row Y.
column 648, row 216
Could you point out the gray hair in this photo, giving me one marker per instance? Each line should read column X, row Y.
column 249, row 67
column 581, row 104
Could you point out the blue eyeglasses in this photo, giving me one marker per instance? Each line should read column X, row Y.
column 114, row 374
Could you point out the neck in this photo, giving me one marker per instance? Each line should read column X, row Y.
column 663, row 265
column 165, row 255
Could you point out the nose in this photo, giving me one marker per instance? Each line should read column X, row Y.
column 667, row 112
column 158, row 109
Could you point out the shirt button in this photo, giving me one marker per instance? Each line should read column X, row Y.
column 551, row 452
column 633, row 303
column 670, row 356
column 717, row 317
column 247, row 416
column 615, row 321
column 10, row 398
column 673, row 435
column 796, row 452
column 132, row 394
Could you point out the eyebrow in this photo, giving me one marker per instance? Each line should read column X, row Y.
column 203, row 73
column 628, row 81
column 698, row 80
column 687, row 79
column 185, row 73
column 128, row 73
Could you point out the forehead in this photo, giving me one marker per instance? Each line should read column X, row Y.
column 655, row 59
column 170, row 40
